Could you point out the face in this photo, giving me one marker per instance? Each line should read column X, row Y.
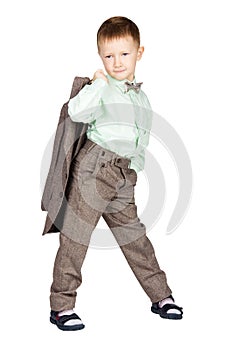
column 120, row 56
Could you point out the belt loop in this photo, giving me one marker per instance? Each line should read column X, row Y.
column 91, row 143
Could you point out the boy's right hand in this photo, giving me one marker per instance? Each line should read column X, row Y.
column 100, row 74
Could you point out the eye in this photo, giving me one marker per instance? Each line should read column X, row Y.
column 108, row 56
column 125, row 54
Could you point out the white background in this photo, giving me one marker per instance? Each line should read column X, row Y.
column 187, row 74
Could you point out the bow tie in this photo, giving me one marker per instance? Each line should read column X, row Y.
column 134, row 86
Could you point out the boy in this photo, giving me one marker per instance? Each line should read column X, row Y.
column 104, row 174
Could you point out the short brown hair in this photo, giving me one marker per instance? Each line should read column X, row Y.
column 118, row 27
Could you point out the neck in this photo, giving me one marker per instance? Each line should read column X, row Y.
column 120, row 81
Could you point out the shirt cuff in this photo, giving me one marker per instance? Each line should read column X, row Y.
column 99, row 83
column 134, row 167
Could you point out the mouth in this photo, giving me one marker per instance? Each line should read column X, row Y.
column 119, row 71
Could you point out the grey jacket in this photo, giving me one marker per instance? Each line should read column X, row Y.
column 70, row 137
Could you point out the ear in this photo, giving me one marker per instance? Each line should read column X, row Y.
column 140, row 52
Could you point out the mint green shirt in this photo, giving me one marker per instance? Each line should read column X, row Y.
column 119, row 121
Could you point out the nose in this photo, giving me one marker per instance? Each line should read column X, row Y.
column 117, row 62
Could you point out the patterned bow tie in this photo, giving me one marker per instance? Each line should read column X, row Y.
column 134, row 86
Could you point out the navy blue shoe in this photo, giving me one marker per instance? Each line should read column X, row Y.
column 60, row 321
column 163, row 311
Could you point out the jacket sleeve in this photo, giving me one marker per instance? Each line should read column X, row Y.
column 86, row 106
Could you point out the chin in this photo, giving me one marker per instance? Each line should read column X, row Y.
column 121, row 75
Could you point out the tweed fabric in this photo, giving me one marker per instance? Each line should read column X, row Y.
column 101, row 184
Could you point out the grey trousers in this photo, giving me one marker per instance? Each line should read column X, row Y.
column 101, row 184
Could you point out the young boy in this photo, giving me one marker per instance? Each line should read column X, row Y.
column 104, row 174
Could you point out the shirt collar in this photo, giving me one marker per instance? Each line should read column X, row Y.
column 119, row 83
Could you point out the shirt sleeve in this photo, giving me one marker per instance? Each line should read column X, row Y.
column 144, row 124
column 86, row 105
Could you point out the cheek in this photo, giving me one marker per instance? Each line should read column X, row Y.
column 133, row 61
column 107, row 64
